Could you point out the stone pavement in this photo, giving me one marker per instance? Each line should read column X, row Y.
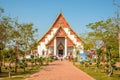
column 60, row 70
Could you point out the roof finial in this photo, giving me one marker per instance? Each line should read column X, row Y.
column 60, row 10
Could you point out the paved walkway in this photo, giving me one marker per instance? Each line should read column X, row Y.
column 60, row 70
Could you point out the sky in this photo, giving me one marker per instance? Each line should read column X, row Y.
column 42, row 13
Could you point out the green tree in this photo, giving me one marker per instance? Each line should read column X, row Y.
column 32, row 59
column 88, row 41
column 99, row 53
column 10, row 55
column 117, row 23
column 26, row 36
column 104, row 33
column 5, row 36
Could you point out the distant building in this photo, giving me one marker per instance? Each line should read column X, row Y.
column 60, row 40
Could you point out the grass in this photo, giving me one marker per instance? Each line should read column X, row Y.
column 20, row 75
column 99, row 74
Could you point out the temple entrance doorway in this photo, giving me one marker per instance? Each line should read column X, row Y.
column 60, row 49
column 60, row 53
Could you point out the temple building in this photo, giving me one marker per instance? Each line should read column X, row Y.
column 60, row 40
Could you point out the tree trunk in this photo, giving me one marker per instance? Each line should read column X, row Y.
column 47, row 61
column 16, row 62
column 16, row 65
column 32, row 64
column 0, row 61
column 24, row 69
column 9, row 69
column 35, row 61
column 0, row 64
column 110, row 70
column 3, row 61
column 119, row 43
column 0, row 68
column 41, row 62
column 9, row 73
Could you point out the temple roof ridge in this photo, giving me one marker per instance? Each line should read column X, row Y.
column 60, row 13
column 60, row 21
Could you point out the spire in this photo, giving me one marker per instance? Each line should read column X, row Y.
column 60, row 11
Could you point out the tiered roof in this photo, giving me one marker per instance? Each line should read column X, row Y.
column 60, row 23
column 61, row 33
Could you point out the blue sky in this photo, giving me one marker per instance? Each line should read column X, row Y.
column 42, row 13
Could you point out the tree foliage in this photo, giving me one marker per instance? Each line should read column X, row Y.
column 16, row 36
column 103, row 37
column 103, row 33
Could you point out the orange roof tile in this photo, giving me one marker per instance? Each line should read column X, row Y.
column 71, row 32
column 69, row 42
column 60, row 22
column 42, row 40
column 60, row 33
column 51, row 43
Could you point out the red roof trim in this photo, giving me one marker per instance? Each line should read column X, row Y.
column 70, row 42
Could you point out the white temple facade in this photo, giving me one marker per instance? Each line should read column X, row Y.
column 60, row 40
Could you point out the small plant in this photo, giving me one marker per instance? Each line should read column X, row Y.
column 23, row 64
column 82, row 62
column 32, row 60
column 51, row 59
column 9, row 69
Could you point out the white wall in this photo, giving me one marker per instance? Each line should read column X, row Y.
column 42, row 45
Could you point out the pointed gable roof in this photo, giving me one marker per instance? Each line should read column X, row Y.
column 61, row 33
column 60, row 21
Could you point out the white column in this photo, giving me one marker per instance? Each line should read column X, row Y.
column 39, row 50
column 65, row 47
column 55, row 46
column 74, row 52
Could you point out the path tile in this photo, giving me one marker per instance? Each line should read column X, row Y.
column 60, row 70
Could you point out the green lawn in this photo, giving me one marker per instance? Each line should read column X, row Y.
column 20, row 75
column 99, row 74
